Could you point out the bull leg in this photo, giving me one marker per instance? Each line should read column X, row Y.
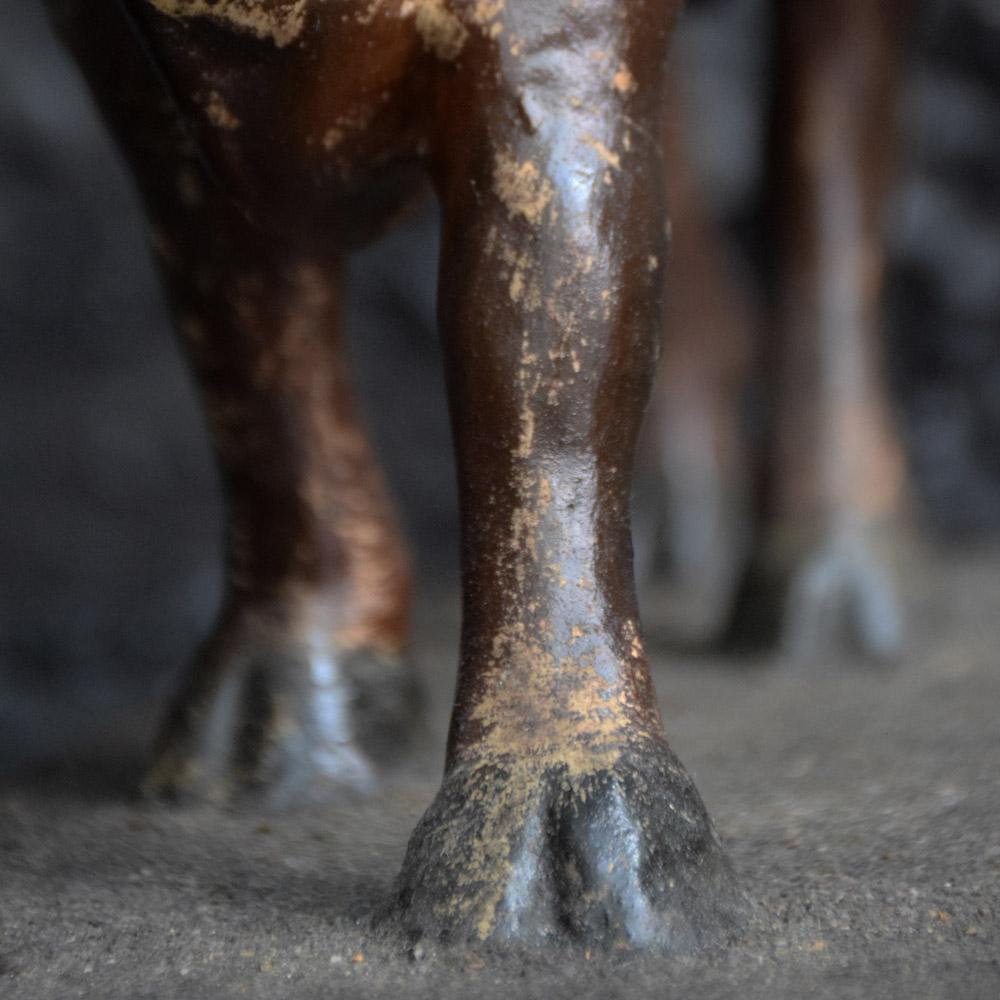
column 563, row 813
column 303, row 677
column 305, row 667
column 694, row 477
column 836, row 476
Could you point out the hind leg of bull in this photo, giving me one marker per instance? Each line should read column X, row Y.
column 836, row 478
column 693, row 502
column 303, row 679
column 563, row 813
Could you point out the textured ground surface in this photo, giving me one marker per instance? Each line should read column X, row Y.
column 863, row 809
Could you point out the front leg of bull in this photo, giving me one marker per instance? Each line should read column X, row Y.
column 563, row 814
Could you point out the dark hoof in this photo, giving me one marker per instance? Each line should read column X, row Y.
column 535, row 853
column 386, row 703
column 282, row 726
column 824, row 596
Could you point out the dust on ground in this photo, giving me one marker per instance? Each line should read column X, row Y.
column 861, row 805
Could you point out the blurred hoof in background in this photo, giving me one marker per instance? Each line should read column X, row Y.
column 283, row 724
column 821, row 593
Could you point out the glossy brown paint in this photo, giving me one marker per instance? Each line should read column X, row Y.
column 554, row 240
column 317, row 581
column 272, row 135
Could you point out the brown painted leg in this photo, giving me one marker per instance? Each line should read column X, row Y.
column 563, row 813
column 303, row 677
column 305, row 666
column 694, row 476
column 836, row 476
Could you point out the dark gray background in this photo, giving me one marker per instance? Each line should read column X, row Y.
column 109, row 534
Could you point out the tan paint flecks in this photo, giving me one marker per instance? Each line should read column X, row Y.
column 281, row 21
column 516, row 289
column 587, row 730
column 623, row 81
column 344, row 126
column 441, row 30
column 218, row 113
column 544, row 495
column 532, row 746
column 522, row 187
column 526, row 438
column 610, row 157
column 485, row 13
column 332, row 138
column 523, row 288
column 367, row 15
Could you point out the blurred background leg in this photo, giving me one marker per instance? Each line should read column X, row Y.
column 834, row 478
column 694, row 488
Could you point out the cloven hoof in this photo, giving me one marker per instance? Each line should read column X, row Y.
column 285, row 726
column 825, row 591
column 540, row 852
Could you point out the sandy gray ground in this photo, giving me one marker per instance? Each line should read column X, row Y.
column 861, row 806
